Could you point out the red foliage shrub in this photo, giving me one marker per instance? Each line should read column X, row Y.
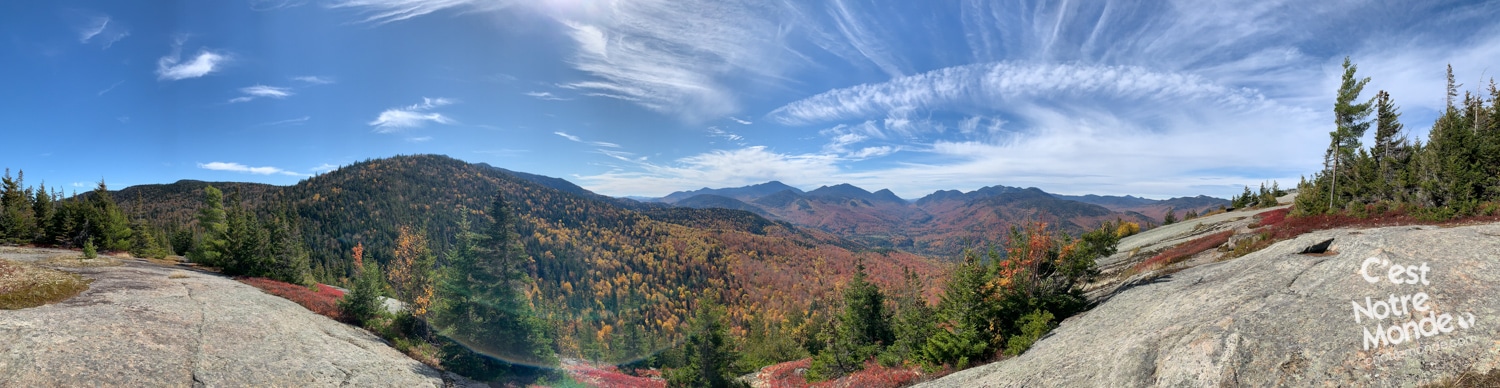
column 609, row 377
column 324, row 301
column 1185, row 250
column 785, row 375
column 1274, row 217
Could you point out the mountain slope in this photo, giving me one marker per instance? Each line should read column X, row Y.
column 596, row 264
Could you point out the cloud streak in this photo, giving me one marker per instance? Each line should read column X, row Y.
column 258, row 91
column 236, row 167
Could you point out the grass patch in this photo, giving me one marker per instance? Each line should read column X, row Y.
column 1185, row 250
column 177, row 275
column 80, row 262
column 23, row 286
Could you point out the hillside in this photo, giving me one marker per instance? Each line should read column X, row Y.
column 596, row 264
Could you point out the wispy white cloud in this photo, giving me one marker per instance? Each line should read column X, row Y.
column 96, row 27
column 575, row 138
column 110, row 88
column 546, row 96
column 236, row 167
column 864, row 39
column 386, row 11
column 995, row 85
column 272, row 5
column 413, row 116
column 720, row 132
column 257, row 91
column 295, row 121
column 419, row 139
column 741, row 121
column 314, row 79
column 324, row 167
column 172, row 68
column 101, row 29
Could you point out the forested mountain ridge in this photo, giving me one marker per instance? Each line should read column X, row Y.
column 617, row 283
column 942, row 223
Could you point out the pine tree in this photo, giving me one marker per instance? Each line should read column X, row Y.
column 709, row 351
column 107, row 222
column 214, row 222
column 1170, row 218
column 1349, row 118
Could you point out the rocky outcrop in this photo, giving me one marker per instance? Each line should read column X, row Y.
column 146, row 325
column 1394, row 306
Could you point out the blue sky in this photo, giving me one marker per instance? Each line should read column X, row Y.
column 1153, row 98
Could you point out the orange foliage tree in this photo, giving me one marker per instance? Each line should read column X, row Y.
column 411, row 270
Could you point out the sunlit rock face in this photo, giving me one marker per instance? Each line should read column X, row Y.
column 1395, row 306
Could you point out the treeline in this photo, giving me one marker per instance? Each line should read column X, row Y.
column 992, row 304
column 40, row 216
column 1456, row 173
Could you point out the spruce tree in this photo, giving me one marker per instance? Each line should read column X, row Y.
column 709, row 351
column 480, row 303
column 1170, row 218
column 863, row 330
column 913, row 322
column 965, row 315
column 41, row 210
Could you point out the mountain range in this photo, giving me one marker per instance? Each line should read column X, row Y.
column 942, row 223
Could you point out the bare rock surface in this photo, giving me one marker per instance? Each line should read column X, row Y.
column 140, row 325
column 1281, row 318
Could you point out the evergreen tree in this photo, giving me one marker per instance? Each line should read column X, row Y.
column 107, row 222
column 709, row 351
column 214, row 222
column 480, row 303
column 362, row 303
column 862, row 332
column 1170, row 218
column 1388, row 139
column 913, row 322
column 41, row 214
column 246, row 241
column 288, row 257
column 1349, row 118
column 965, row 317
column 15, row 213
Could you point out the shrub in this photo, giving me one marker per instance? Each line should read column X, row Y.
column 1033, row 327
column 89, row 251
column 1185, row 250
column 320, row 298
